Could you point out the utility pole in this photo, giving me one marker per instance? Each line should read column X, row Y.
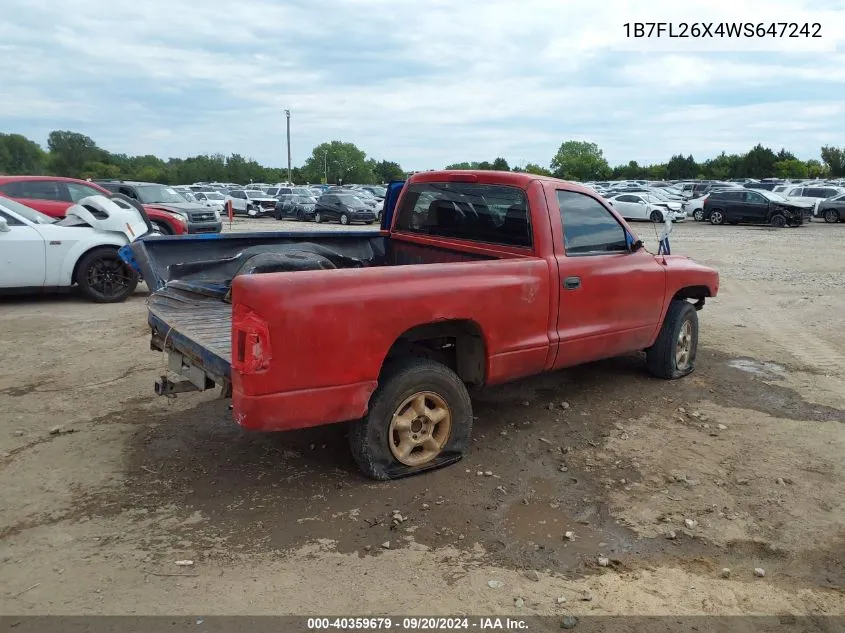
column 326, row 167
column 287, row 114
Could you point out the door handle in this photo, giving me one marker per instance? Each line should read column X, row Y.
column 571, row 283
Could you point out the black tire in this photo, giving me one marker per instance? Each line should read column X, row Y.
column 831, row 216
column 717, row 217
column 299, row 217
column 103, row 277
column 161, row 227
column 778, row 220
column 698, row 215
column 662, row 358
column 370, row 437
column 344, row 219
column 656, row 216
column 317, row 217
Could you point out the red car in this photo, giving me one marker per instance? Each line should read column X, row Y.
column 476, row 278
column 52, row 195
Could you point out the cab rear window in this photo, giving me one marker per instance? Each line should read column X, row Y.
column 495, row 214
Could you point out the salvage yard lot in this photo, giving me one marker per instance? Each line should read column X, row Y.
column 738, row 466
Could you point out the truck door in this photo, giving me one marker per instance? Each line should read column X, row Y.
column 611, row 296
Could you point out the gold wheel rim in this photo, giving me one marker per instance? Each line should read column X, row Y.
column 420, row 428
column 683, row 351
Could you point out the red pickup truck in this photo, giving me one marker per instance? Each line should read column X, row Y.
column 476, row 278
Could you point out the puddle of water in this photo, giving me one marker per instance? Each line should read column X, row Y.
column 758, row 368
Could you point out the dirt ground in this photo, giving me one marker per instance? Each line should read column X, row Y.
column 104, row 486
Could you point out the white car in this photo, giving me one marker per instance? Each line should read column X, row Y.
column 639, row 206
column 39, row 253
column 212, row 199
column 812, row 194
column 259, row 203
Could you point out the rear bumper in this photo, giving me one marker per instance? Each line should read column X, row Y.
column 301, row 409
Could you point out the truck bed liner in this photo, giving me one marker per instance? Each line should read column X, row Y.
column 196, row 325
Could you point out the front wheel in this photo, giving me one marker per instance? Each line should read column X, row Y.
column 698, row 215
column 656, row 216
column 673, row 353
column 252, row 212
column 831, row 216
column 104, row 278
column 317, row 217
column 344, row 219
column 717, row 217
column 419, row 418
column 778, row 220
column 161, row 227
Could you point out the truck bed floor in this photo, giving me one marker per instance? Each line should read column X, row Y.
column 204, row 321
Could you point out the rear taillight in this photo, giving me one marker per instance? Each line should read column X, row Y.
column 251, row 351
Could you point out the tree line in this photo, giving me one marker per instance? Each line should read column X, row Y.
column 584, row 161
column 78, row 156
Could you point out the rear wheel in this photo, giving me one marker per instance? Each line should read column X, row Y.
column 104, row 278
column 831, row 216
column 673, row 353
column 717, row 217
column 698, row 215
column 419, row 418
column 656, row 216
column 317, row 217
column 778, row 220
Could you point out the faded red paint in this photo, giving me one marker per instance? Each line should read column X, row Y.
column 329, row 333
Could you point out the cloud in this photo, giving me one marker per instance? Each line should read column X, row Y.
column 425, row 84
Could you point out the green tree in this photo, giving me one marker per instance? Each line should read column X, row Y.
column 500, row 164
column 342, row 162
column 680, row 167
column 793, row 168
column 723, row 166
column 19, row 155
column 70, row 151
column 533, row 168
column 387, row 171
column 815, row 169
column 834, row 158
column 759, row 162
column 580, row 160
column 464, row 165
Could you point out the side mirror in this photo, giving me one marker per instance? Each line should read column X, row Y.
column 4, row 225
column 635, row 246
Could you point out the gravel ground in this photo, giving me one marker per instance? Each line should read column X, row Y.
column 609, row 492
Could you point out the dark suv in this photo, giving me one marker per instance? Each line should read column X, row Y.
column 199, row 218
column 733, row 206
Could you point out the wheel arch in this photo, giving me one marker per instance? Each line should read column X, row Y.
column 75, row 271
column 457, row 343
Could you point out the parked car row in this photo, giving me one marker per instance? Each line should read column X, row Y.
column 770, row 201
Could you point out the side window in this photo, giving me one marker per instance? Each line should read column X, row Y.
column 796, row 191
column 128, row 191
column 752, row 197
column 78, row 191
column 12, row 189
column 589, row 228
column 494, row 214
column 11, row 220
column 627, row 198
column 239, row 194
column 39, row 190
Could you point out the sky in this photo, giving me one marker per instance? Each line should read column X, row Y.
column 422, row 83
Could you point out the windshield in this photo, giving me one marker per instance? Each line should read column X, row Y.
column 303, row 199
column 772, row 196
column 254, row 193
column 36, row 217
column 350, row 201
column 152, row 194
column 658, row 194
column 213, row 196
column 379, row 191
